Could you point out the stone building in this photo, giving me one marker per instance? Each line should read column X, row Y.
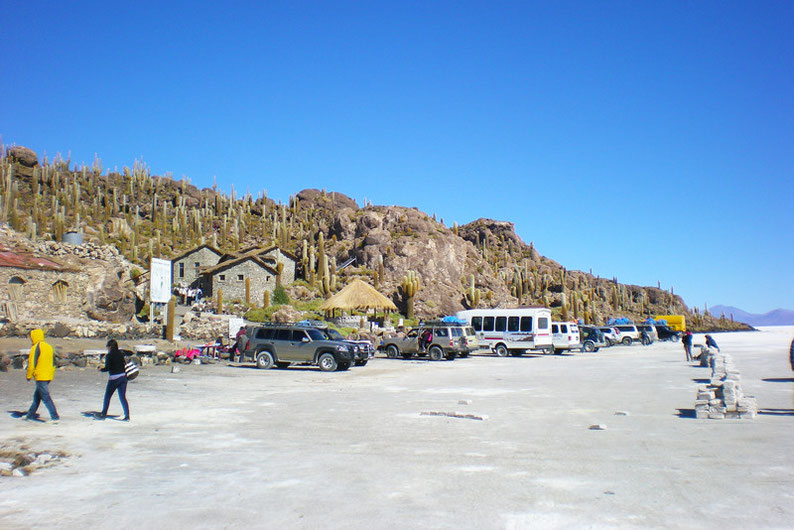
column 271, row 256
column 187, row 268
column 230, row 277
column 35, row 287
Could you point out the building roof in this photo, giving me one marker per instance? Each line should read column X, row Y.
column 358, row 295
column 196, row 249
column 257, row 251
column 236, row 261
column 20, row 260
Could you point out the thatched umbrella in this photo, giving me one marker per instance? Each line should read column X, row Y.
column 358, row 295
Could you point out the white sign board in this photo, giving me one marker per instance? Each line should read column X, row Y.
column 234, row 326
column 160, row 281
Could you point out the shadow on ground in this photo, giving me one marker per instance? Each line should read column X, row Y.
column 778, row 380
column 686, row 413
column 777, row 412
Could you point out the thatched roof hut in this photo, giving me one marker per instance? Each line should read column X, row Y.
column 358, row 295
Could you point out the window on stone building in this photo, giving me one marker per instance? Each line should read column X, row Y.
column 196, row 264
column 267, row 279
column 222, row 277
column 15, row 287
column 59, row 290
column 181, row 270
column 240, row 277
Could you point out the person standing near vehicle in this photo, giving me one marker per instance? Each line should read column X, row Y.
column 425, row 340
column 645, row 339
column 711, row 343
column 686, row 340
column 117, row 379
column 238, row 344
column 41, row 368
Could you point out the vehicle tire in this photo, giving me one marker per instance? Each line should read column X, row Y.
column 343, row 366
column 327, row 362
column 436, row 353
column 264, row 360
column 281, row 365
column 627, row 341
column 675, row 338
column 392, row 351
column 589, row 346
column 501, row 350
column 610, row 342
column 362, row 363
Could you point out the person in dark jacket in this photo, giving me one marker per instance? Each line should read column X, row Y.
column 711, row 343
column 686, row 340
column 117, row 379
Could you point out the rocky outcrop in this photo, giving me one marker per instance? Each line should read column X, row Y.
column 23, row 156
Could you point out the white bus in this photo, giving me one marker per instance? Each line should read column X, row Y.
column 511, row 331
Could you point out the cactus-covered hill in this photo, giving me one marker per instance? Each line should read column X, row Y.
column 406, row 254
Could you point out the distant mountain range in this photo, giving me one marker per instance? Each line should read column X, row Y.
column 776, row 317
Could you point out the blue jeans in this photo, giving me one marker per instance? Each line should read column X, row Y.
column 42, row 393
column 119, row 384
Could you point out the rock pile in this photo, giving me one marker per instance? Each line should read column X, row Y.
column 723, row 397
column 22, row 462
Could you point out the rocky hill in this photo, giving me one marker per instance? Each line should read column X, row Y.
column 483, row 263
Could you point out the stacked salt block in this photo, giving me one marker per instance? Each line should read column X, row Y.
column 723, row 397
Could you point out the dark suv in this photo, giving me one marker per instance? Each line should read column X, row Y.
column 283, row 344
column 667, row 333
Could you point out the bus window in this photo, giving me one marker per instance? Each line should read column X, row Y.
column 554, row 328
column 563, row 328
column 512, row 323
column 543, row 323
column 487, row 324
column 501, row 323
column 526, row 323
column 476, row 323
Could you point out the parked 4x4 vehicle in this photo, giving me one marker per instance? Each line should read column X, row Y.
column 650, row 330
column 363, row 348
column 283, row 344
column 591, row 337
column 450, row 340
column 611, row 335
column 628, row 333
column 667, row 333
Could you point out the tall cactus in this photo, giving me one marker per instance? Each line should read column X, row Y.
column 472, row 294
column 409, row 286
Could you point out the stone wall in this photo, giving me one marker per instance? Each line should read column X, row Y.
column 187, row 266
column 723, row 397
column 94, row 282
column 232, row 281
column 288, row 274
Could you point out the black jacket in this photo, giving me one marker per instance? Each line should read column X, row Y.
column 114, row 362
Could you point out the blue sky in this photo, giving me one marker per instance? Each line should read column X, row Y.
column 648, row 141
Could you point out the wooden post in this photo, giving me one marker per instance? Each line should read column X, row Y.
column 169, row 326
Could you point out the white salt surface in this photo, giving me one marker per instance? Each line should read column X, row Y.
column 221, row 446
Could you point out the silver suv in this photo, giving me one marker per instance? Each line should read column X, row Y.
column 449, row 341
column 283, row 344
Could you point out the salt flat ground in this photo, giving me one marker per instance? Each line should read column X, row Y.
column 225, row 446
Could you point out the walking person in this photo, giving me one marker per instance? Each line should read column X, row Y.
column 686, row 340
column 117, row 379
column 238, row 345
column 711, row 343
column 41, row 368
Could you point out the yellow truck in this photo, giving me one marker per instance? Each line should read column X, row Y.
column 676, row 322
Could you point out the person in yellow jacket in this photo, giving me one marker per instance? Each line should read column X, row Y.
column 41, row 368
